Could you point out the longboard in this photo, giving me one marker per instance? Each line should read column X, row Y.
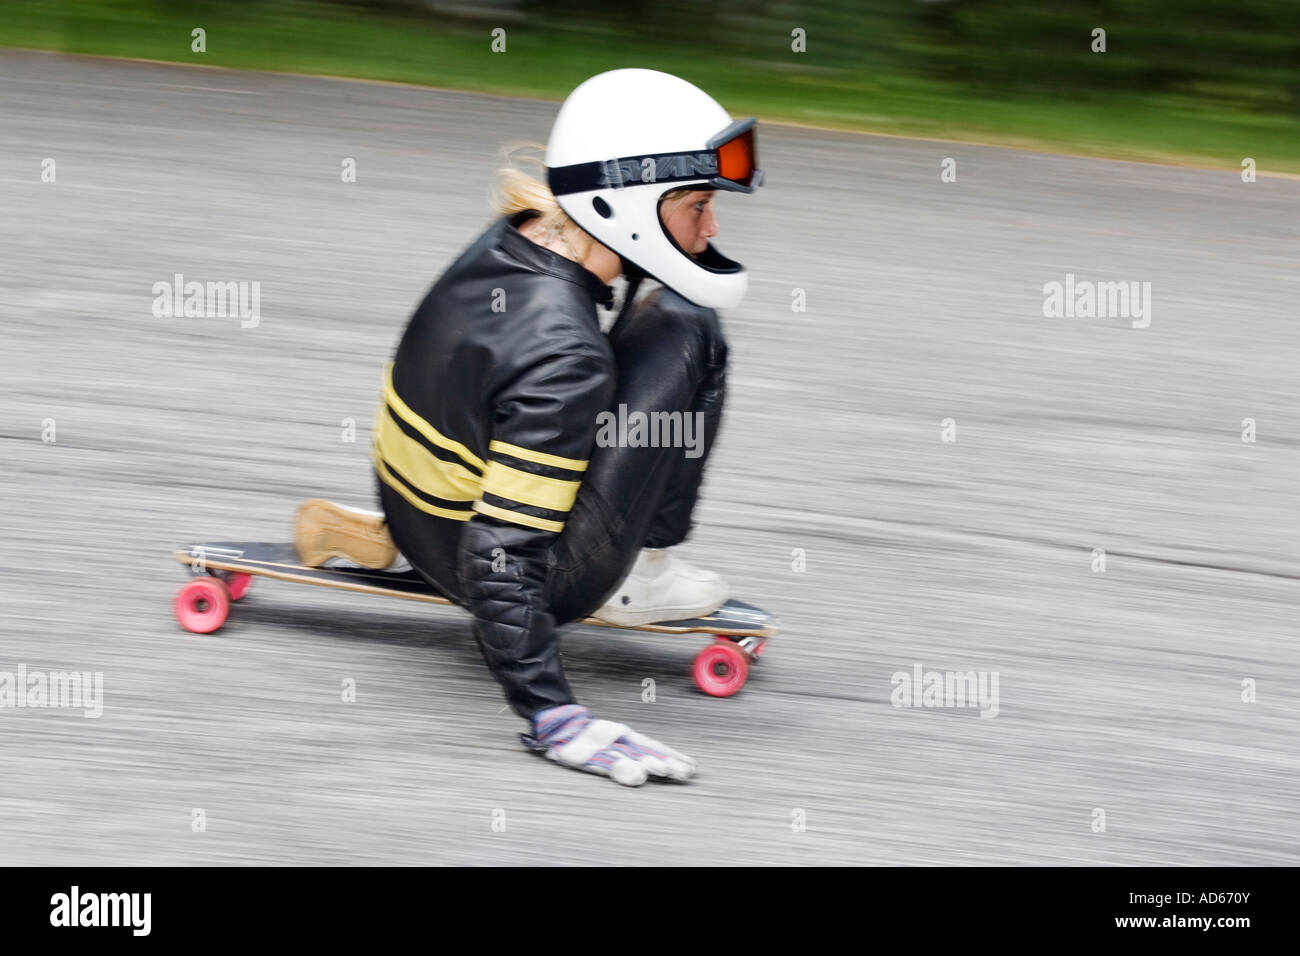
column 223, row 573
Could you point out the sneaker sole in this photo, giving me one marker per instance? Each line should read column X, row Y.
column 658, row 616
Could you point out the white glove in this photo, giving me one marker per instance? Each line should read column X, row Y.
column 570, row 736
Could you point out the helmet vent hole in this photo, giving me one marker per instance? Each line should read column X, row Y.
column 601, row 207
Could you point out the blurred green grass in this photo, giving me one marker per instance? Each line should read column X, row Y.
column 546, row 59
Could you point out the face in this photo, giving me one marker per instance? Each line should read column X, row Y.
column 690, row 220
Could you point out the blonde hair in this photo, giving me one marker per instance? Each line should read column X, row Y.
column 516, row 191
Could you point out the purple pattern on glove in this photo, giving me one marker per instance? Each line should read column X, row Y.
column 556, row 726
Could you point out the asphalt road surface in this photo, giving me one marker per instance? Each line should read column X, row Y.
column 1145, row 714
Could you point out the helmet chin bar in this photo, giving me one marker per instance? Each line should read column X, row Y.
column 694, row 278
column 716, row 262
column 710, row 260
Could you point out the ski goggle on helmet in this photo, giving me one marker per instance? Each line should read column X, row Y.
column 624, row 139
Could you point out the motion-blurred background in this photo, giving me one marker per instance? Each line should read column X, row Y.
column 921, row 465
column 1198, row 80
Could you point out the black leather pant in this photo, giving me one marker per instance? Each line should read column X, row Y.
column 630, row 497
column 634, row 498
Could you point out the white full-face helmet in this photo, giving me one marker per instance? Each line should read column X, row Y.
column 625, row 138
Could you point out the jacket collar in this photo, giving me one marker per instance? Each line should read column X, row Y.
column 540, row 259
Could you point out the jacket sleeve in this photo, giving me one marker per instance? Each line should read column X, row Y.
column 544, row 426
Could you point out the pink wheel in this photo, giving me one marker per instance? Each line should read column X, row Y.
column 202, row 605
column 238, row 584
column 721, row 669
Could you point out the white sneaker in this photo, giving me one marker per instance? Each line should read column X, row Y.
column 663, row 587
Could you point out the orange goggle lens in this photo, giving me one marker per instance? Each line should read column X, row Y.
column 736, row 159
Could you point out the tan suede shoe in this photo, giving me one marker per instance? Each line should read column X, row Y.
column 324, row 530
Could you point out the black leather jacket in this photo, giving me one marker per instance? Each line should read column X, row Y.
column 488, row 421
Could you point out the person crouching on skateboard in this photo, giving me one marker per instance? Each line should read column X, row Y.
column 492, row 481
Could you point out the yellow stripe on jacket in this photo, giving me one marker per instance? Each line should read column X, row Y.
column 536, row 491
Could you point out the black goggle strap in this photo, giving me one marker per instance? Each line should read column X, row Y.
column 654, row 169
